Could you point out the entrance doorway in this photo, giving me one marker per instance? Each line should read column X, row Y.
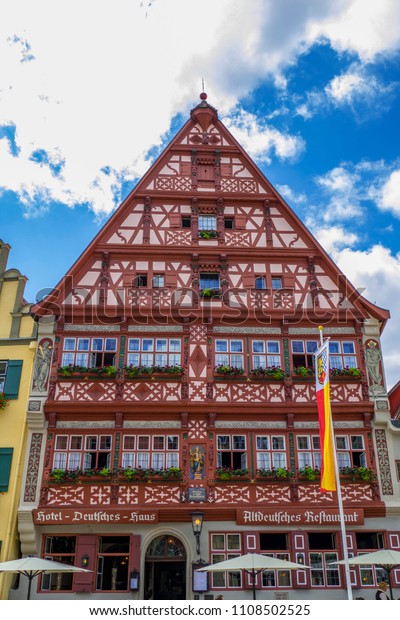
column 165, row 570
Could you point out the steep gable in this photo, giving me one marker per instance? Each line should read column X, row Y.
column 205, row 178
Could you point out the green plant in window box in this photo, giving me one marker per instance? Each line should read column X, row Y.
column 274, row 372
column 345, row 372
column 65, row 475
column 226, row 473
column 3, row 401
column 280, row 473
column 132, row 473
column 229, row 371
column 137, row 371
column 208, row 234
column 310, row 473
column 209, row 293
column 174, row 473
column 357, row 473
column 304, row 371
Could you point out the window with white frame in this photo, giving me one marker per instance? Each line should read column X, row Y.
column 342, row 355
column 89, row 352
column 366, row 542
column 322, row 555
column 260, row 282
column 225, row 547
column 276, row 283
column 303, row 353
column 275, row 545
column 270, row 451
column 155, row 451
column 158, row 281
column 59, row 549
column 154, row 352
column 231, row 451
column 207, row 222
column 3, row 373
column 350, row 451
column 308, row 451
column 265, row 353
column 229, row 353
column 82, row 452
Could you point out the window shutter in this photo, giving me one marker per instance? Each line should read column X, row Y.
column 171, row 279
column 288, row 281
column 13, row 379
column 175, row 220
column 5, row 468
column 248, row 280
column 299, row 547
column 85, row 545
column 240, row 221
column 393, row 539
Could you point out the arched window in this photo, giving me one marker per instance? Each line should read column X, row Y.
column 165, row 547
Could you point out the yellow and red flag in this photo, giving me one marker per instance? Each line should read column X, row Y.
column 328, row 478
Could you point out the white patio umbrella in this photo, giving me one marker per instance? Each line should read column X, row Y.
column 32, row 567
column 388, row 559
column 253, row 564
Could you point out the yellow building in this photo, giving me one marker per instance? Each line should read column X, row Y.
column 17, row 347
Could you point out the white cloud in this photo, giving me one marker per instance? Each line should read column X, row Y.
column 377, row 270
column 261, row 140
column 343, row 200
column 389, row 199
column 292, row 197
column 98, row 83
column 365, row 27
column 332, row 238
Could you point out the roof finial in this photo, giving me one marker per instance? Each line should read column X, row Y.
column 203, row 95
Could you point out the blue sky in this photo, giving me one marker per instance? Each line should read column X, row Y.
column 91, row 92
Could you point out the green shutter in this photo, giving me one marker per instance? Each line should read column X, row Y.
column 13, row 377
column 5, row 468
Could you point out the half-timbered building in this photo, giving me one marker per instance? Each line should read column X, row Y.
column 181, row 394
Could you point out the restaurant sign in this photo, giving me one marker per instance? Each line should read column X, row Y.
column 70, row 516
column 293, row 516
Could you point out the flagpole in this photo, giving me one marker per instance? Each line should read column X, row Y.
column 339, row 496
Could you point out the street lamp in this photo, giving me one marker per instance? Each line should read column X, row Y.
column 197, row 524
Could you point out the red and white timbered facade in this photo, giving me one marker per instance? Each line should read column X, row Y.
column 182, row 381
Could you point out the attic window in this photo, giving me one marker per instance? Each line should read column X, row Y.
column 141, row 280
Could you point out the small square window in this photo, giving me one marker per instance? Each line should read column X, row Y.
column 186, row 222
column 229, row 223
column 141, row 280
column 143, row 442
column 260, row 282
column 276, row 283
column 61, row 442
column 129, row 442
column 158, row 442
column 158, row 281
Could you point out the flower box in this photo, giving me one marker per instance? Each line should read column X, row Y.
column 223, row 370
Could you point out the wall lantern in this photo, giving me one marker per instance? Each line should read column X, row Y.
column 197, row 524
column 134, row 580
column 85, row 561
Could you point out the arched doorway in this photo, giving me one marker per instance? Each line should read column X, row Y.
column 165, row 569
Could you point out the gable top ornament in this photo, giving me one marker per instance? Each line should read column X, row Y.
column 204, row 113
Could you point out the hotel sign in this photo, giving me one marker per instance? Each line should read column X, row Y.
column 70, row 516
column 292, row 516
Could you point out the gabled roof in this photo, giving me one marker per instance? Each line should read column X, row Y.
column 204, row 136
